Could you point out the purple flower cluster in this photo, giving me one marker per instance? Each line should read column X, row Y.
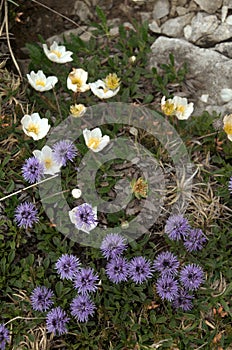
column 67, row 266
column 4, row 336
column 26, row 215
column 33, row 170
column 64, row 151
column 118, row 268
column 41, row 298
column 168, row 286
column 178, row 228
column 56, row 321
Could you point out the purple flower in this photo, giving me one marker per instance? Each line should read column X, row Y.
column 191, row 276
column 4, row 336
column 167, row 287
column 84, row 217
column 26, row 215
column 56, row 321
column 82, row 307
column 85, row 280
column 41, row 298
column 117, row 269
column 183, row 300
column 230, row 185
column 113, row 245
column 166, row 263
column 33, row 170
column 64, row 150
column 194, row 240
column 140, row 269
column 177, row 227
column 67, row 266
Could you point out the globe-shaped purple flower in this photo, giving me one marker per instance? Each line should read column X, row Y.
column 191, row 276
column 177, row 227
column 56, row 321
column 117, row 269
column 4, row 336
column 85, row 280
column 140, row 269
column 33, row 170
column 113, row 245
column 26, row 215
column 64, row 151
column 167, row 288
column 166, row 263
column 67, row 266
column 195, row 240
column 82, row 307
column 41, row 298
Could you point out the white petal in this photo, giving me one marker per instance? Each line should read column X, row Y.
column 26, row 119
column 226, row 94
column 104, row 142
column 87, row 135
column 96, row 133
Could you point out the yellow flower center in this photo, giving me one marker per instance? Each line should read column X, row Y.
column 48, row 163
column 76, row 81
column 40, row 82
column 77, row 110
column 180, row 109
column 228, row 128
column 140, row 187
column 112, row 81
column 93, row 143
column 168, row 108
column 33, row 128
column 57, row 53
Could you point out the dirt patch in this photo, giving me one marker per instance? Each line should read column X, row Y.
column 31, row 19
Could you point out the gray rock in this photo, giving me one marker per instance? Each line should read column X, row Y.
column 161, row 9
column 211, row 69
column 82, row 11
column 174, row 27
column 209, row 6
column 202, row 26
column 153, row 26
column 224, row 48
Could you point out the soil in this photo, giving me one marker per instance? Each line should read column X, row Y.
column 31, row 19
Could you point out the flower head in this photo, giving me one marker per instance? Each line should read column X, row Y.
column 139, row 188
column 183, row 300
column 82, row 307
column 85, row 280
column 77, row 79
column 99, row 89
column 77, row 110
column 33, row 170
column 84, row 217
column 64, row 150
column 94, row 139
column 183, row 109
column 227, row 125
column 76, row 193
column 26, row 215
column 117, row 269
column 112, row 81
column 40, row 82
column 191, row 276
column 56, row 321
column 67, row 266
column 230, row 185
column 113, row 245
column 140, row 269
column 41, row 298
column 34, row 126
column 194, row 240
column 57, row 53
column 167, row 287
column 4, row 336
column 47, row 157
column 167, row 264
column 177, row 227
column 167, row 107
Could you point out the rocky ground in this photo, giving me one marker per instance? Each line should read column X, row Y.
column 198, row 32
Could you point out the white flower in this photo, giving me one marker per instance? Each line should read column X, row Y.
column 57, row 53
column 46, row 156
column 226, row 94
column 94, row 139
column 40, row 82
column 77, row 110
column 76, row 193
column 167, row 107
column 34, row 126
column 77, row 79
column 84, row 217
column 183, row 109
column 227, row 121
column 101, row 91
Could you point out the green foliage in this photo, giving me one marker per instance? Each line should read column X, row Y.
column 128, row 315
